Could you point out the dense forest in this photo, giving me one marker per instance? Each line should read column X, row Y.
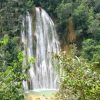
column 78, row 26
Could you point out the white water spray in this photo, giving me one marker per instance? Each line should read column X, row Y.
column 42, row 73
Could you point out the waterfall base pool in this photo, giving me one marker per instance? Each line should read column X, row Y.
column 41, row 94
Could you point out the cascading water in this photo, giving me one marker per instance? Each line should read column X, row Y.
column 42, row 74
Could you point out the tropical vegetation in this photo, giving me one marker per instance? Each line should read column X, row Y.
column 77, row 22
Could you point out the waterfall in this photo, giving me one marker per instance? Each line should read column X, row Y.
column 42, row 74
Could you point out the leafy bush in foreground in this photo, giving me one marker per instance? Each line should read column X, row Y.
column 11, row 75
column 77, row 80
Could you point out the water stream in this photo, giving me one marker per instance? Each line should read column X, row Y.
column 42, row 74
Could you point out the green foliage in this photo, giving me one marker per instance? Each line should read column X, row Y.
column 91, row 50
column 77, row 80
column 31, row 60
column 64, row 10
column 49, row 6
column 11, row 75
column 11, row 14
column 11, row 84
column 85, row 14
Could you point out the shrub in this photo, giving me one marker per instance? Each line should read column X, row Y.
column 77, row 80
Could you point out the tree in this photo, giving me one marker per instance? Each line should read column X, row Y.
column 11, row 71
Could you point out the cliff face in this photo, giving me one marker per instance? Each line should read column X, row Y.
column 70, row 37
